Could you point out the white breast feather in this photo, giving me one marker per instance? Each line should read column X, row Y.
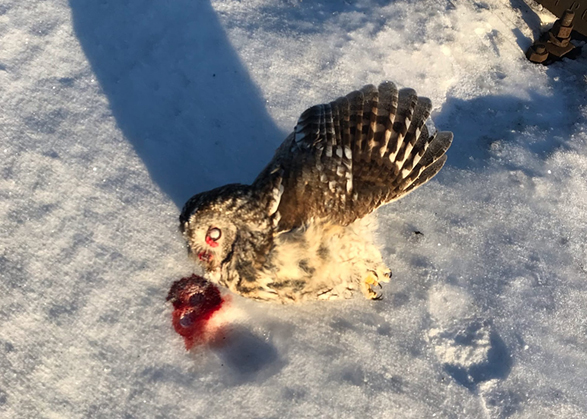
column 349, row 256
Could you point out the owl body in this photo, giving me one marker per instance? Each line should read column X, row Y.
column 297, row 233
column 320, row 261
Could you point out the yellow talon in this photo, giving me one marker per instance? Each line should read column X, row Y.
column 371, row 279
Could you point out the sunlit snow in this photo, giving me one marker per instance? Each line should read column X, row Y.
column 114, row 112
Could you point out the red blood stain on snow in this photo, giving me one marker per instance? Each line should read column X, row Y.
column 195, row 301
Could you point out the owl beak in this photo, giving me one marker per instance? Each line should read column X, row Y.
column 205, row 256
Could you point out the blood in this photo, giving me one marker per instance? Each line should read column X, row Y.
column 205, row 256
column 210, row 242
column 195, row 301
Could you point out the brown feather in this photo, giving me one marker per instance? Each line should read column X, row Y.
column 350, row 156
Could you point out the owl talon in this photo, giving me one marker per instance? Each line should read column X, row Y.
column 371, row 279
column 370, row 282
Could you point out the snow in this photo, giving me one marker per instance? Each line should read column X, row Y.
column 115, row 112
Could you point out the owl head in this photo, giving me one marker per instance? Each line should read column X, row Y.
column 219, row 223
column 208, row 225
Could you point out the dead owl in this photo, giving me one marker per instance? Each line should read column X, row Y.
column 295, row 234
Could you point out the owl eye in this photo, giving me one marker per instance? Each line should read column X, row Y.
column 214, row 233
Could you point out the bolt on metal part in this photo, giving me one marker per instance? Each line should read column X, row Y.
column 554, row 44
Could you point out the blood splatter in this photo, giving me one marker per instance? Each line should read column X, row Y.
column 195, row 300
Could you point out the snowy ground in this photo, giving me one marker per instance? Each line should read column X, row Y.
column 115, row 112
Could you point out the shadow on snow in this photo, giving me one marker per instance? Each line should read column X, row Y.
column 513, row 119
column 178, row 92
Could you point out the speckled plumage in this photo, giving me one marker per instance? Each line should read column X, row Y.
column 296, row 233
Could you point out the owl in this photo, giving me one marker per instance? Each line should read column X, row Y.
column 298, row 233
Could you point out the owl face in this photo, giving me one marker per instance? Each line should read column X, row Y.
column 219, row 222
column 209, row 239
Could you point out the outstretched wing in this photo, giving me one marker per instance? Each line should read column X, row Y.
column 348, row 157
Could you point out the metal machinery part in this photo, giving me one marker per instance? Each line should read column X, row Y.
column 579, row 7
column 555, row 44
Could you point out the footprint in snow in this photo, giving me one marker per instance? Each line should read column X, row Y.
column 469, row 348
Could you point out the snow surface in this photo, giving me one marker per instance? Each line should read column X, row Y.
column 115, row 112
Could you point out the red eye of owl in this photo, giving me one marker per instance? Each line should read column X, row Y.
column 214, row 233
